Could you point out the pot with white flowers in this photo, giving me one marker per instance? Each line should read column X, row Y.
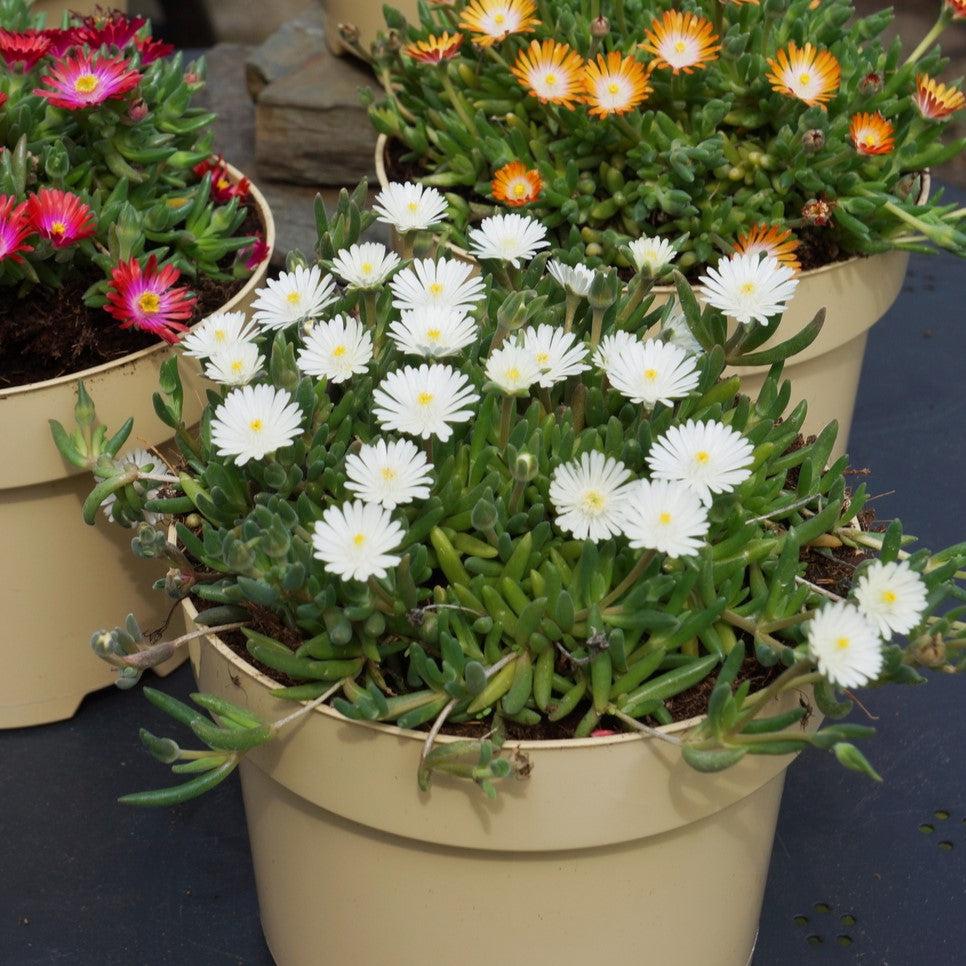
column 714, row 138
column 118, row 232
column 510, row 617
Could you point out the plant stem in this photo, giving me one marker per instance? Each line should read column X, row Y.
column 506, row 414
column 306, row 708
column 643, row 728
column 938, row 27
column 754, row 704
column 595, row 326
column 437, row 725
column 635, row 574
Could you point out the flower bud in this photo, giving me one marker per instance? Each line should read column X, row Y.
column 192, row 521
column 483, row 516
column 929, row 650
column 513, row 312
column 817, row 211
column 603, row 290
column 349, row 33
column 138, row 111
column 177, row 583
column 813, row 140
column 871, row 83
column 191, row 78
column 525, row 468
column 102, row 643
column 600, row 27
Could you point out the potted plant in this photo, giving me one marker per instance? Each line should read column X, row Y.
column 653, row 131
column 514, row 531
column 118, row 231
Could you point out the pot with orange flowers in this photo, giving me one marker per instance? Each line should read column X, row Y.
column 118, row 232
column 649, row 138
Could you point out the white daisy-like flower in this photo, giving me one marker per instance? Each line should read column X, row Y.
column 145, row 461
column 366, row 265
column 892, row 596
column 446, row 283
column 409, row 207
column 652, row 254
column 355, row 541
column 612, row 347
column 845, row 645
column 336, row 350
column 707, row 456
column 576, row 280
column 390, row 474
column 749, row 288
column 677, row 331
column 590, row 496
column 254, row 421
column 510, row 238
column 653, row 371
column 293, row 297
column 235, row 365
column 512, row 368
column 433, row 331
column 425, row 401
column 666, row 516
column 215, row 333
column 558, row 354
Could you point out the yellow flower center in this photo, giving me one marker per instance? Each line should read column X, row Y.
column 869, row 140
column 237, row 365
column 149, row 302
column 339, row 351
column 889, row 597
column 434, row 335
column 388, row 473
column 748, row 288
column 702, row 456
column 519, row 189
column 550, row 80
column 86, row 84
column 650, row 374
column 293, row 298
column 366, row 268
column 680, row 47
column 843, row 643
column 498, row 18
column 359, row 539
column 222, row 183
column 542, row 358
column 58, row 228
column 664, row 517
column 805, row 79
column 220, row 335
column 412, row 207
column 436, row 288
column 256, row 425
column 593, row 501
column 512, row 374
column 613, row 88
column 424, row 398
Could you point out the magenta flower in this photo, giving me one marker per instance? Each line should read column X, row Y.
column 23, row 49
column 14, row 228
column 111, row 29
column 82, row 80
column 60, row 217
column 151, row 50
column 147, row 299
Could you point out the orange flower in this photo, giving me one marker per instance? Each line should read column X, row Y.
column 615, row 84
column 495, row 20
column 550, row 72
column 770, row 240
column 936, row 101
column 810, row 74
column 434, row 50
column 681, row 41
column 871, row 134
column 958, row 8
column 514, row 185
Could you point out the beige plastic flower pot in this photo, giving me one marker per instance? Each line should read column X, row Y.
column 855, row 295
column 60, row 579
column 613, row 849
column 363, row 15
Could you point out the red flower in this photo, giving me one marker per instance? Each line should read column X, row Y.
column 22, row 49
column 14, row 228
column 255, row 254
column 83, row 80
column 60, row 217
column 146, row 299
column 152, row 50
column 62, row 40
column 222, row 187
column 113, row 29
column 3, row 98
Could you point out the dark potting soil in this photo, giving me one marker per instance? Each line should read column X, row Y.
column 51, row 333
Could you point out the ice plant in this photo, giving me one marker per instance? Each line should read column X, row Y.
column 218, row 332
column 749, row 287
column 435, row 50
column 771, row 240
column 293, row 297
column 365, row 266
column 81, row 80
column 681, row 42
column 433, row 331
column 22, row 50
column 490, row 21
column 688, row 123
column 146, row 297
column 15, row 227
column 223, row 186
column 526, row 531
column 872, row 134
column 60, row 217
column 441, row 283
column 652, row 254
column 508, row 238
column 515, row 185
column 410, row 207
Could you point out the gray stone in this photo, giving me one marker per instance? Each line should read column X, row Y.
column 285, row 51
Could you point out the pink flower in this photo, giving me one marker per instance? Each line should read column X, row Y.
column 14, row 228
column 83, row 80
column 222, row 187
column 3, row 98
column 255, row 254
column 152, row 50
column 602, row 733
column 23, row 49
column 146, row 299
column 60, row 217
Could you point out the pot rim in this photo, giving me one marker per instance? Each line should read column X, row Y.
column 382, row 146
column 268, row 224
column 556, row 744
